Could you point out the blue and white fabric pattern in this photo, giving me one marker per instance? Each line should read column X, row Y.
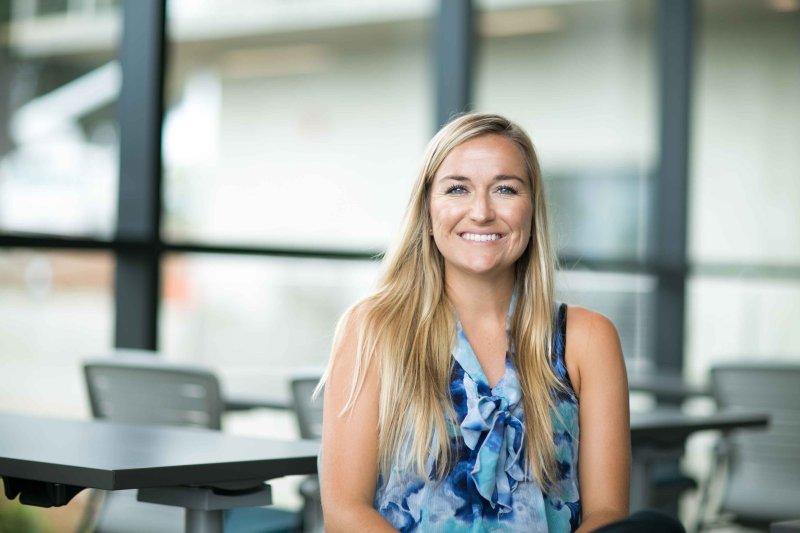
column 487, row 490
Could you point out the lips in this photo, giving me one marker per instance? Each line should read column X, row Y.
column 481, row 237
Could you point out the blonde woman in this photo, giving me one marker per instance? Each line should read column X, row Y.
column 460, row 396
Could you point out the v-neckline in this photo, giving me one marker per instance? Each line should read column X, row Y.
column 466, row 357
column 465, row 354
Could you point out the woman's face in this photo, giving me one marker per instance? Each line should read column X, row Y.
column 481, row 208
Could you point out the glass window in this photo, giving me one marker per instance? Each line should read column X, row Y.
column 743, row 319
column 579, row 77
column 55, row 310
column 294, row 124
column 257, row 320
column 626, row 299
column 744, row 191
column 59, row 81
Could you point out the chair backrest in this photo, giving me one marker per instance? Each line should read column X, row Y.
column 134, row 386
column 307, row 409
column 764, row 475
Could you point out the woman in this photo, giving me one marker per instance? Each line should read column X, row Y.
column 451, row 399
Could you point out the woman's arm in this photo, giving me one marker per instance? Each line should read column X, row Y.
column 597, row 371
column 350, row 443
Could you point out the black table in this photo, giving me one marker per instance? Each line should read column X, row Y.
column 660, row 435
column 47, row 461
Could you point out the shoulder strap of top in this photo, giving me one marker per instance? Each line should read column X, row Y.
column 560, row 344
column 560, row 332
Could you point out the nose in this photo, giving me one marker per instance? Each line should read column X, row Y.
column 481, row 209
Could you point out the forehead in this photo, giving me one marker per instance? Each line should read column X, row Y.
column 488, row 155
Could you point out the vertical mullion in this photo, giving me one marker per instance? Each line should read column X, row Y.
column 454, row 38
column 675, row 27
column 140, row 110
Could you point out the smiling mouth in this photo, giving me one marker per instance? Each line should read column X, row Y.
column 479, row 237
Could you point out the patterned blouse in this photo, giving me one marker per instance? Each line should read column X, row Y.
column 487, row 489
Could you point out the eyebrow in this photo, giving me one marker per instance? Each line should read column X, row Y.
column 499, row 177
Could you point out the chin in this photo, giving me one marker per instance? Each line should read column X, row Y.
column 483, row 269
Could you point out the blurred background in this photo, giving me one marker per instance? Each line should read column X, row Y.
column 231, row 224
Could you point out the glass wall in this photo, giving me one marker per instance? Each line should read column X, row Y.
column 744, row 230
column 55, row 311
column 743, row 319
column 58, row 134
column 291, row 126
column 299, row 126
column 294, row 127
column 745, row 195
column 257, row 320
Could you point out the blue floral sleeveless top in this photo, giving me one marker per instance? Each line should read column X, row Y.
column 487, row 489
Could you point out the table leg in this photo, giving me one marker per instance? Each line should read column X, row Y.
column 646, row 461
column 200, row 521
column 204, row 505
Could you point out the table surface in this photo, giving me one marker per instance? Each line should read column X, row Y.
column 112, row 456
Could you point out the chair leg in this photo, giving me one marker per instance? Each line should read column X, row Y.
column 717, row 468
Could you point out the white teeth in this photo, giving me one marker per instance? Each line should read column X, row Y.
column 480, row 238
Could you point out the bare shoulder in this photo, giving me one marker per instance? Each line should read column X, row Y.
column 592, row 345
column 586, row 325
column 347, row 362
column 349, row 325
column 357, row 312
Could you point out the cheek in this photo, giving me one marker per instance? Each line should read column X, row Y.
column 521, row 218
column 526, row 227
column 442, row 216
column 528, row 222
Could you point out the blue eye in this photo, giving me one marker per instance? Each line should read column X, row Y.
column 506, row 189
column 456, row 189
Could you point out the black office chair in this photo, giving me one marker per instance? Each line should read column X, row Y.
column 759, row 470
column 308, row 411
column 136, row 387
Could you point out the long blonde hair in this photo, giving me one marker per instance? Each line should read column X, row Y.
column 407, row 327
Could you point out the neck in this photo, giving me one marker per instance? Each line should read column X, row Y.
column 478, row 297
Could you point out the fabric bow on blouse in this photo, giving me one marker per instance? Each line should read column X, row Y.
column 492, row 427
